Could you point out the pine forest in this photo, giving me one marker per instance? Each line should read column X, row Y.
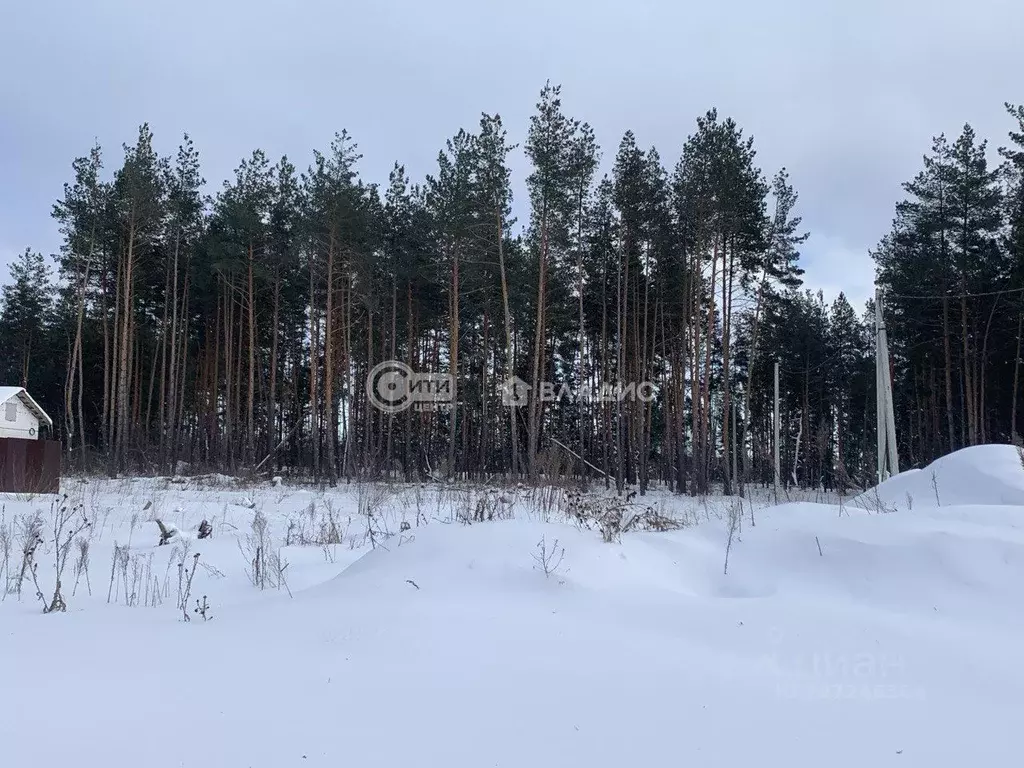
column 177, row 331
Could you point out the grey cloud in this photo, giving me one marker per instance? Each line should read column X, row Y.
column 847, row 96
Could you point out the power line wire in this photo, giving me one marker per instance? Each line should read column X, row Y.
column 952, row 295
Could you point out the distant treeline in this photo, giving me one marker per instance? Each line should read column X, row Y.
column 220, row 332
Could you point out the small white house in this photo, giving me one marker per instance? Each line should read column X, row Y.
column 20, row 415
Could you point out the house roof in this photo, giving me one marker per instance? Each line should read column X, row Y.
column 6, row 393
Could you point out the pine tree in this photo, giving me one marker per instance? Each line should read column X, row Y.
column 138, row 203
column 493, row 178
column 548, row 146
column 450, row 197
column 184, row 228
column 1013, row 175
column 80, row 214
column 25, row 310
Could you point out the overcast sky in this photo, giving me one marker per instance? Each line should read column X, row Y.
column 846, row 95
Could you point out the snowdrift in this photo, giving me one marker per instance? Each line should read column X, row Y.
column 980, row 475
column 832, row 633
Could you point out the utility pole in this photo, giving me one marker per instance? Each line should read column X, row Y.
column 888, row 460
column 778, row 469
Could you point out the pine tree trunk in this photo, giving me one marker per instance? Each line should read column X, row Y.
column 454, row 330
column 314, row 365
column 250, row 421
column 706, row 438
column 1014, row 434
column 392, row 356
column 178, row 379
column 534, row 404
column 694, row 320
column 970, row 404
column 166, row 340
column 510, row 360
column 581, row 356
column 78, row 354
column 272, row 404
column 622, row 280
column 983, row 363
column 229, row 320
column 168, row 419
column 124, row 356
column 727, row 271
column 948, row 372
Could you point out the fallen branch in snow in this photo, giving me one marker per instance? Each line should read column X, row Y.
column 820, row 554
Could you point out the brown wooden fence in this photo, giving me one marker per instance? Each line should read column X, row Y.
column 29, row 466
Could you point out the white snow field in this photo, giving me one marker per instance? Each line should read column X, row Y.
column 883, row 632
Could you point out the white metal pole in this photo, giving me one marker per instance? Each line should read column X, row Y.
column 890, row 417
column 880, row 409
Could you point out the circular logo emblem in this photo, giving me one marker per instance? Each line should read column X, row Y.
column 387, row 386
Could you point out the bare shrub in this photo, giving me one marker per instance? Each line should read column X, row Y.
column 137, row 588
column 330, row 531
column 82, row 565
column 874, row 503
column 133, row 524
column 614, row 516
column 120, row 553
column 735, row 515
column 265, row 568
column 256, row 549
column 185, row 577
column 548, row 558
column 30, row 537
column 6, row 545
column 68, row 522
column 371, row 500
column 203, row 609
column 324, row 529
column 484, row 507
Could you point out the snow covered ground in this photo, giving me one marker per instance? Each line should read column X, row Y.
column 883, row 631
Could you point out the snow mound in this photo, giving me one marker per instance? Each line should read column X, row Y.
column 980, row 475
column 871, row 639
column 958, row 561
